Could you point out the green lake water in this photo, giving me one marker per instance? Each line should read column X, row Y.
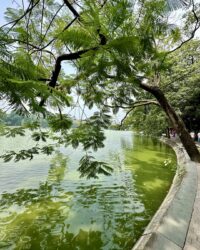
column 45, row 205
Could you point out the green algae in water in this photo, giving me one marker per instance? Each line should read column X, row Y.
column 45, row 205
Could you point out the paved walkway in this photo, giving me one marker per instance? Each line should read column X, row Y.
column 176, row 225
column 193, row 236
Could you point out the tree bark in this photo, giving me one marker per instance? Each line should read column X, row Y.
column 176, row 121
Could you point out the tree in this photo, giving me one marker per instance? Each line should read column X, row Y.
column 148, row 120
column 121, row 53
column 186, row 86
column 182, row 79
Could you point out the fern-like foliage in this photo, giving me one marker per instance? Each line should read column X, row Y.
column 91, row 168
column 177, row 4
column 59, row 122
column 19, row 83
column 13, row 132
column 25, row 154
column 89, row 133
column 40, row 136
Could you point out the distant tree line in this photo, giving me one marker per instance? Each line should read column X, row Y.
column 14, row 119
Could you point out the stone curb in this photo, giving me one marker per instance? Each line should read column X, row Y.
column 171, row 227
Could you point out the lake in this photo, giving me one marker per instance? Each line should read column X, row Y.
column 44, row 204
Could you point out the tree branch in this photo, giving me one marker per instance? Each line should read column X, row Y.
column 139, row 104
column 52, row 40
column 71, row 8
column 14, row 22
column 57, row 68
column 126, row 115
column 71, row 56
column 104, row 3
column 76, row 14
column 66, row 57
column 182, row 77
column 34, row 47
column 53, row 18
column 197, row 25
column 135, row 104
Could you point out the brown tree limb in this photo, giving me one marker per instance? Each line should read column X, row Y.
column 138, row 104
column 71, row 8
column 103, row 4
column 103, row 39
column 124, row 118
column 44, row 79
column 66, row 57
column 175, row 119
column 134, row 104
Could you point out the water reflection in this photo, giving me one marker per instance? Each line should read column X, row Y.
column 83, row 217
column 65, row 212
column 153, row 168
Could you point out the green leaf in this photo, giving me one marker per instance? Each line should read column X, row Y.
column 48, row 150
column 59, row 122
column 90, row 168
column 37, row 136
column 12, row 132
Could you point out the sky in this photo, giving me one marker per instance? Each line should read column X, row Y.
column 3, row 5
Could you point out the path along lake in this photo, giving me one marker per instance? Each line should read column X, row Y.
column 45, row 205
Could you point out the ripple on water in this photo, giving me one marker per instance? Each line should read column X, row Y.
column 45, row 205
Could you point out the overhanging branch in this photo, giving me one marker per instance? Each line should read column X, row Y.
column 71, row 8
column 66, row 57
column 139, row 104
column 196, row 27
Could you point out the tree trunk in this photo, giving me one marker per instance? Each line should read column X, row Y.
column 176, row 121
